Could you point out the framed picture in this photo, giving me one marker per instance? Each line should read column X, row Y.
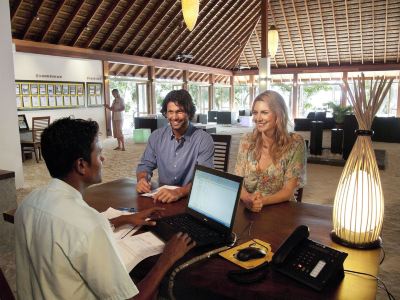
column 50, row 89
column 52, row 101
column 43, row 100
column 67, row 100
column 34, row 89
column 35, row 101
column 42, row 89
column 72, row 89
column 26, row 101
column 58, row 88
column 59, row 101
column 80, row 89
column 25, row 89
column 19, row 101
column 65, row 89
column 17, row 89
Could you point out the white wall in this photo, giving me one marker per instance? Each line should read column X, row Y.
column 10, row 151
column 33, row 66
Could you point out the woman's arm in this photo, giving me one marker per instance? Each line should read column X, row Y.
column 284, row 194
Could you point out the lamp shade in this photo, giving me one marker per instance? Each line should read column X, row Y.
column 359, row 205
column 190, row 10
column 273, row 40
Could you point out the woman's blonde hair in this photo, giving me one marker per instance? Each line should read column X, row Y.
column 282, row 138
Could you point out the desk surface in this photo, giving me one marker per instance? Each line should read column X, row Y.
column 208, row 278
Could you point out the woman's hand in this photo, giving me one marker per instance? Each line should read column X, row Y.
column 253, row 201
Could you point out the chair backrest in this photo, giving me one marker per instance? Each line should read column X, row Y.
column 222, row 144
column 38, row 125
column 5, row 290
column 298, row 194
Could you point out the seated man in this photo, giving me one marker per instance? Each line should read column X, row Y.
column 66, row 249
column 175, row 149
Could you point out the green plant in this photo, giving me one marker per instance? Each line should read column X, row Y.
column 339, row 111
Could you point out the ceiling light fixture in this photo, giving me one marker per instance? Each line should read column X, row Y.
column 273, row 40
column 190, row 11
column 37, row 17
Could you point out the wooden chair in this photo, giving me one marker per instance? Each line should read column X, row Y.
column 298, row 194
column 33, row 145
column 222, row 144
column 5, row 290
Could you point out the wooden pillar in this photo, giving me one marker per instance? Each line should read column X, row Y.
column 151, row 90
column 264, row 28
column 106, row 93
column 231, row 93
column 295, row 95
column 185, row 76
column 211, row 80
column 343, row 97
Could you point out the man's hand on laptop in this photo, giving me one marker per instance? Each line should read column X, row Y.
column 177, row 247
column 167, row 195
column 144, row 217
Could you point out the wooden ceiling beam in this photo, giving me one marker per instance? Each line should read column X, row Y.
column 299, row 31
column 235, row 62
column 141, row 26
column 145, row 36
column 35, row 11
column 361, row 31
column 323, row 31
column 116, row 24
column 85, row 24
column 311, row 31
column 386, row 30
column 129, row 25
column 336, row 34
column 130, row 70
column 348, row 28
column 279, row 38
column 327, row 69
column 184, row 41
column 110, row 10
column 288, row 32
column 14, row 9
column 373, row 31
column 70, row 19
column 53, row 18
column 259, row 44
column 67, row 51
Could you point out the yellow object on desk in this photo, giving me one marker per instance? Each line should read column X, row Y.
column 252, row 263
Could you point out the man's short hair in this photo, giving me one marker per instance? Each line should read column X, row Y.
column 180, row 98
column 65, row 141
column 115, row 90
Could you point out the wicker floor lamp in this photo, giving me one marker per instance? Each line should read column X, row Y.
column 359, row 206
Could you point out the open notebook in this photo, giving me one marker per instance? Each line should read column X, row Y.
column 211, row 210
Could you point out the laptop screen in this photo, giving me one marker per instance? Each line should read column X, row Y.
column 214, row 196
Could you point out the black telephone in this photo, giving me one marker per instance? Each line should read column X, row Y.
column 308, row 262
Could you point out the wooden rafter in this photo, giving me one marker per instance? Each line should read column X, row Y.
column 116, row 24
column 104, row 19
column 311, row 31
column 288, row 32
column 323, row 31
column 280, row 41
column 398, row 53
column 141, row 26
column 336, row 34
column 85, row 25
column 183, row 40
column 361, row 32
column 35, row 11
column 299, row 31
column 128, row 25
column 53, row 18
column 119, row 69
column 386, row 29
column 69, row 20
column 259, row 44
column 241, row 50
column 14, row 9
column 348, row 29
column 130, row 70
column 373, row 31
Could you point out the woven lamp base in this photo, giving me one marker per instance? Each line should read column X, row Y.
column 371, row 245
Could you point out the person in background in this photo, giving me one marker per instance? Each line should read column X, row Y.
column 66, row 249
column 175, row 149
column 271, row 160
column 117, row 108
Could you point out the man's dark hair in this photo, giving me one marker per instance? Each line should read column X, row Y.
column 114, row 90
column 180, row 98
column 65, row 141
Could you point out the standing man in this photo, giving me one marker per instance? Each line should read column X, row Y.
column 117, row 108
column 66, row 249
column 175, row 149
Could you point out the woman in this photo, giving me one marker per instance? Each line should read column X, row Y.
column 272, row 161
column 117, row 108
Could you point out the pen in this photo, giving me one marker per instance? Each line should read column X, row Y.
column 127, row 209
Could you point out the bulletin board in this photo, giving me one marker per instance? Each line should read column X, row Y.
column 95, row 94
column 49, row 94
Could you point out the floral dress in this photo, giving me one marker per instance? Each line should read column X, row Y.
column 292, row 164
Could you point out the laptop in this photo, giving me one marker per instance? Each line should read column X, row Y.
column 211, row 209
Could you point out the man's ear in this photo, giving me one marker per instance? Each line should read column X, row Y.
column 80, row 166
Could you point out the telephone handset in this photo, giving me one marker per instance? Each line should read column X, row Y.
column 308, row 262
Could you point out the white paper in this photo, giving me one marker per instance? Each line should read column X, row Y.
column 138, row 247
column 154, row 192
column 123, row 231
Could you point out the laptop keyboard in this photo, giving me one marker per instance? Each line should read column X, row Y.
column 195, row 230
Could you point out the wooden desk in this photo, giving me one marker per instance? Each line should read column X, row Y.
column 207, row 279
